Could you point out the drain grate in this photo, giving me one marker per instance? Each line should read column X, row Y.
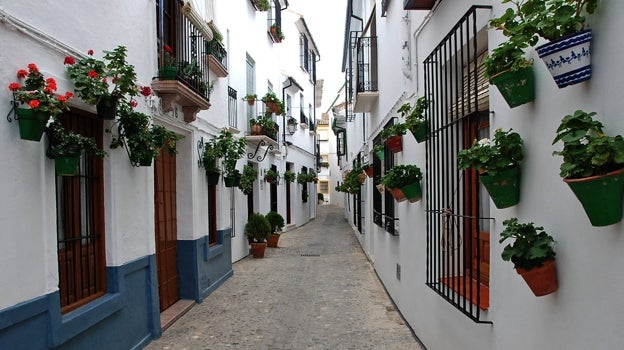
column 316, row 255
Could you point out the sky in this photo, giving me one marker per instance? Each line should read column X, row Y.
column 325, row 20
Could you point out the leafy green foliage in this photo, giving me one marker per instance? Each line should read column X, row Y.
column 506, row 56
column 493, row 157
column 65, row 143
column 415, row 117
column 587, row 151
column 271, row 176
column 231, row 150
column 289, row 176
column 394, row 130
column 530, row 248
column 210, row 156
column 402, row 175
column 275, row 220
column 257, row 228
column 248, row 177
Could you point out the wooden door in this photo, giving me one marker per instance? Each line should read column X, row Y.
column 166, row 229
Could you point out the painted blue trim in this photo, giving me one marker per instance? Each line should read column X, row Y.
column 153, row 299
column 23, row 311
column 206, row 292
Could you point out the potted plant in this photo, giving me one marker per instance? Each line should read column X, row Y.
column 498, row 164
column 379, row 151
column 506, row 66
column 352, row 181
column 312, row 176
column 289, row 176
column 232, row 149
column 302, row 178
column 415, row 119
column 271, row 176
column 593, row 166
column 250, row 98
column 273, row 103
column 276, row 33
column 403, row 182
column 532, row 255
column 66, row 147
column 277, row 223
column 368, row 169
column 169, row 69
column 248, row 177
column 261, row 5
column 92, row 77
column 209, row 158
column 35, row 102
column 393, row 137
column 257, row 230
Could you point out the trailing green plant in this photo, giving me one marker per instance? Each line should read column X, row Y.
column 302, row 178
column 210, row 157
column 257, row 228
column 351, row 182
column 312, row 177
column 587, row 151
column 248, row 177
column 509, row 55
column 415, row 117
column 531, row 247
column 231, row 149
column 402, row 175
column 271, row 176
column 493, row 156
column 289, row 176
column 65, row 143
column 262, row 5
column 275, row 220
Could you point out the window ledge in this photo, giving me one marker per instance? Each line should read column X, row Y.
column 173, row 91
column 217, row 67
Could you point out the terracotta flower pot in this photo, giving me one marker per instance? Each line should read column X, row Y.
column 361, row 178
column 369, row 171
column 272, row 240
column 257, row 249
column 397, row 194
column 542, row 280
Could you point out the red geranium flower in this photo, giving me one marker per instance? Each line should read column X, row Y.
column 14, row 86
column 104, row 80
column 22, row 73
column 168, row 49
column 146, row 91
column 33, row 103
column 50, row 81
column 61, row 98
column 69, row 94
column 69, row 60
column 33, row 67
column 133, row 103
column 90, row 52
column 92, row 74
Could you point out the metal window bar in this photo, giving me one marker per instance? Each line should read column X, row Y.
column 389, row 202
column 358, row 199
column 453, row 268
column 377, row 203
column 303, row 118
column 367, row 64
column 232, row 107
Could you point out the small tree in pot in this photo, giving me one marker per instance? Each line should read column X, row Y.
column 277, row 223
column 257, row 229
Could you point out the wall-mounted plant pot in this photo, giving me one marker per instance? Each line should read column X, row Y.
column 504, row 188
column 66, row 166
column 381, row 188
column 361, row 178
column 413, row 192
column 395, row 143
column 369, row 171
column 167, row 72
column 568, row 59
column 273, row 240
column 31, row 123
column 107, row 107
column 257, row 249
column 601, row 196
column 542, row 280
column 420, row 133
column 212, row 177
column 232, row 181
column 516, row 87
column 397, row 194
column 380, row 154
column 256, row 129
column 251, row 101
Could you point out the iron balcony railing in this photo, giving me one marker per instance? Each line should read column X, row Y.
column 367, row 64
column 215, row 48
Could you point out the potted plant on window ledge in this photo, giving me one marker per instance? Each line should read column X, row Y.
column 257, row 230
column 66, row 147
column 593, row 166
column 277, row 223
column 532, row 255
column 498, row 164
column 403, row 182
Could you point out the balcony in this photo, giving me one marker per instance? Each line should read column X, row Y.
column 367, row 92
column 303, row 120
column 262, row 145
column 418, row 4
column 217, row 58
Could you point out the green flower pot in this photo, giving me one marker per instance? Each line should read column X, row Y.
column 601, row 196
column 516, row 87
column 420, row 134
column 67, row 166
column 380, row 154
column 504, row 188
column 31, row 123
column 413, row 192
column 231, row 181
column 167, row 73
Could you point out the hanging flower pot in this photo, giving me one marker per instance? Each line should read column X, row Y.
column 361, row 178
column 212, row 177
column 167, row 72
column 395, row 143
column 503, row 188
column 397, row 194
column 369, row 171
column 568, row 59
column 413, row 192
column 107, row 107
column 381, row 188
column 380, row 154
column 601, row 196
column 31, row 123
column 145, row 160
column 66, row 166
column 516, row 87
column 542, row 280
column 232, row 181
column 420, row 133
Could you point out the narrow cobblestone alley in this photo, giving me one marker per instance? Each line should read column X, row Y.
column 317, row 291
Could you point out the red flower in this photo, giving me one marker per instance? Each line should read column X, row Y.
column 33, row 67
column 14, row 86
column 50, row 89
column 104, row 80
column 168, row 49
column 90, row 52
column 114, row 80
column 50, row 81
column 61, row 98
column 33, row 104
column 69, row 60
column 69, row 94
column 146, row 91
column 133, row 103
column 22, row 73
column 92, row 74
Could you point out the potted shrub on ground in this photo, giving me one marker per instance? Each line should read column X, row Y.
column 320, row 198
column 403, row 182
column 66, row 147
column 415, row 119
column 393, row 137
column 257, row 229
column 593, row 166
column 498, row 164
column 232, row 149
column 532, row 255
column 277, row 223
column 248, row 177
column 35, row 101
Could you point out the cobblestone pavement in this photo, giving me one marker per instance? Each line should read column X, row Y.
column 316, row 291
